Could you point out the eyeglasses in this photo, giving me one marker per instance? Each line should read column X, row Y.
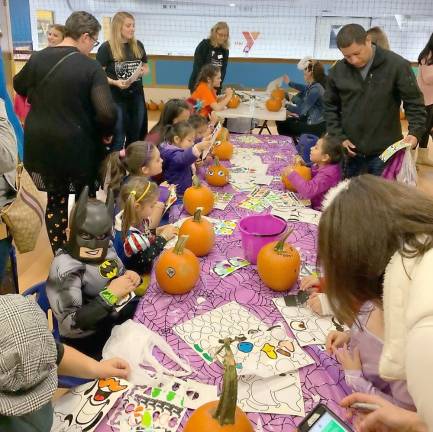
column 95, row 41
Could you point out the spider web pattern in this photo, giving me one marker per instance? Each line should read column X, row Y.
column 322, row 381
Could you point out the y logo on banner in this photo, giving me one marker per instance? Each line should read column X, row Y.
column 250, row 37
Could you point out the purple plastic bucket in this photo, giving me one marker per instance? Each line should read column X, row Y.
column 259, row 230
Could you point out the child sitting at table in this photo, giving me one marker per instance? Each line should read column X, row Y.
column 326, row 156
column 201, row 126
column 87, row 280
column 136, row 244
column 174, row 111
column 140, row 158
column 178, row 153
column 365, row 337
column 209, row 79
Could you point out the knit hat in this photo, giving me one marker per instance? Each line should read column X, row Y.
column 28, row 371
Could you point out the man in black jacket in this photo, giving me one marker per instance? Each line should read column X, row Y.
column 363, row 97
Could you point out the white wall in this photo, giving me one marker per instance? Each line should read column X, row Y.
column 288, row 29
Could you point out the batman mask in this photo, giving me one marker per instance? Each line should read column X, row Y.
column 91, row 228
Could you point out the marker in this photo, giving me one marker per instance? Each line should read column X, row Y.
column 362, row 406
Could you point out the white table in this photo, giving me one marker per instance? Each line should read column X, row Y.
column 244, row 110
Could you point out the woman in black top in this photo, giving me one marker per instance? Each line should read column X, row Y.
column 214, row 50
column 120, row 57
column 72, row 114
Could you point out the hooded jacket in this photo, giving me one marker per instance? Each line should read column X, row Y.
column 367, row 112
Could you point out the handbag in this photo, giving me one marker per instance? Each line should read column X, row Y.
column 24, row 216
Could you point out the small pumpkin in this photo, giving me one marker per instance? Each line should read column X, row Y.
column 302, row 170
column 222, row 415
column 198, row 195
column 217, row 174
column 274, row 104
column 223, row 150
column 161, row 105
column 177, row 269
column 234, row 102
column 200, row 232
column 153, row 106
column 278, row 264
column 223, row 135
column 278, row 93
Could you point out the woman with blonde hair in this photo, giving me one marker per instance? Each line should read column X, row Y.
column 213, row 50
column 120, row 56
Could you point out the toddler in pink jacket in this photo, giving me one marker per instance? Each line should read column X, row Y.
column 325, row 172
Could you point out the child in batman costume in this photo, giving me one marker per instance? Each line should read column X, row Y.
column 87, row 280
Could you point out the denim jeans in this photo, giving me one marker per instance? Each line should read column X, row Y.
column 5, row 245
column 360, row 164
column 131, row 122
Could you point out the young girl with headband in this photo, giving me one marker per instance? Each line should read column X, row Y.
column 141, row 158
column 135, row 242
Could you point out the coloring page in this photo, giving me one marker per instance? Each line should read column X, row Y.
column 81, row 409
column 299, row 214
column 222, row 199
column 255, row 204
column 228, row 266
column 139, row 412
column 259, row 349
column 279, row 394
column 224, row 227
column 308, row 327
column 248, row 139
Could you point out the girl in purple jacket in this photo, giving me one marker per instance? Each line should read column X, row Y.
column 325, row 172
column 178, row 153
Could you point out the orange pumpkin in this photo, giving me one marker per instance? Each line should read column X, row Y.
column 223, row 135
column 200, row 232
column 278, row 93
column 177, row 269
column 273, row 104
column 278, row 264
column 222, row 415
column 161, row 105
column 217, row 174
column 223, row 150
column 198, row 195
column 302, row 170
column 153, row 106
column 234, row 101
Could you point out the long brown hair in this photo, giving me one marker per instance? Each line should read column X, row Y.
column 364, row 226
column 207, row 72
column 129, row 161
column 115, row 40
column 378, row 37
column 135, row 190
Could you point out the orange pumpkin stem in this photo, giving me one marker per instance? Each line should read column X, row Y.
column 279, row 247
column 180, row 244
column 197, row 214
column 216, row 160
column 196, row 181
column 226, row 410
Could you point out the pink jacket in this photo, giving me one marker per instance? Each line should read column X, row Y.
column 322, row 179
column 425, row 82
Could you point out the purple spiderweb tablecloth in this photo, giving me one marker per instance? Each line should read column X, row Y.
column 322, row 381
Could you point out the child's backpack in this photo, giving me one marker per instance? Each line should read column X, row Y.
column 305, row 142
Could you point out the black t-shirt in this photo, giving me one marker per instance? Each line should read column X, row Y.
column 121, row 70
column 217, row 57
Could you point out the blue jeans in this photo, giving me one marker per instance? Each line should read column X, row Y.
column 5, row 245
column 361, row 164
column 131, row 122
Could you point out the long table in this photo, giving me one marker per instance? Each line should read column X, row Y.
column 322, row 381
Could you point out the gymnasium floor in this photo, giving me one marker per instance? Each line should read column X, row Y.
column 33, row 267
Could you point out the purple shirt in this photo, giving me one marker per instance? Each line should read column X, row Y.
column 176, row 165
column 322, row 179
column 368, row 379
